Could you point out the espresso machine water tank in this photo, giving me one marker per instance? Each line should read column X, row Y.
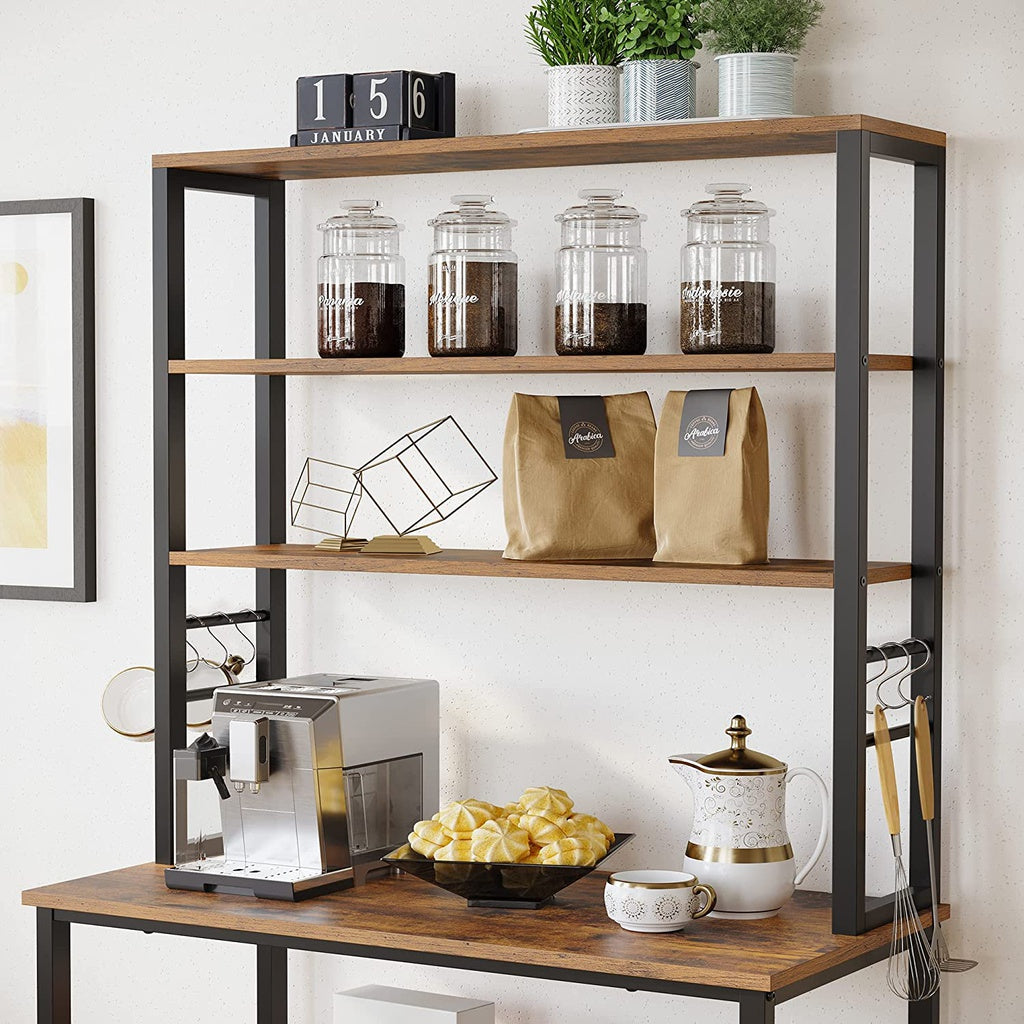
column 325, row 775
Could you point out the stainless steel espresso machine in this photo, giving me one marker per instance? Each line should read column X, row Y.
column 319, row 776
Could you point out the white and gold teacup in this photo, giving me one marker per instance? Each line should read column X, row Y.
column 656, row 901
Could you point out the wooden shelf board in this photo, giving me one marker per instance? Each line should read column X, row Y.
column 776, row 362
column 702, row 140
column 404, row 914
column 788, row 572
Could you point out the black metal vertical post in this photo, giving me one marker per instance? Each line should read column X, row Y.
column 271, row 985
column 849, row 768
column 271, row 487
column 757, row 1008
column 53, row 969
column 927, row 502
column 168, row 495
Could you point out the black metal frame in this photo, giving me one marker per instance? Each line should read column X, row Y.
column 83, row 396
column 169, row 187
column 853, row 912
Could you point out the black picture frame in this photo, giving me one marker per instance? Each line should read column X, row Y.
column 83, row 349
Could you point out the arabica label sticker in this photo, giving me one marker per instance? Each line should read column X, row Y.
column 704, row 422
column 585, row 432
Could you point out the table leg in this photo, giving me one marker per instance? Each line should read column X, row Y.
column 271, row 985
column 53, row 969
column 757, row 1008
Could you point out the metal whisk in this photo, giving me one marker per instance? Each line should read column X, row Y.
column 926, row 788
column 913, row 971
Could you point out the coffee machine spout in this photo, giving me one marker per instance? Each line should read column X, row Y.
column 203, row 759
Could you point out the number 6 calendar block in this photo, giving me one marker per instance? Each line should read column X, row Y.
column 395, row 97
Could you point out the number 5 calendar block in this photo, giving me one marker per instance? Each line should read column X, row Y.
column 395, row 97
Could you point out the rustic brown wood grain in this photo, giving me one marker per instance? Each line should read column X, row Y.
column 777, row 362
column 639, row 143
column 779, row 572
column 575, row 934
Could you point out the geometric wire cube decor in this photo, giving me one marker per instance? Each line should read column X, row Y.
column 326, row 498
column 425, row 476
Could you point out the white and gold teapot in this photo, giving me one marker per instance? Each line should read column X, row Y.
column 739, row 843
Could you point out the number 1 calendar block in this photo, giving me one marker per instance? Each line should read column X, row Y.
column 323, row 101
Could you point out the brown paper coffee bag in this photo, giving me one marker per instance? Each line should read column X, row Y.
column 709, row 506
column 579, row 477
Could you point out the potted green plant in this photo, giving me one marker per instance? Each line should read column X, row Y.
column 757, row 42
column 582, row 55
column 657, row 40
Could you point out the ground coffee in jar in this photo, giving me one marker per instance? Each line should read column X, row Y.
column 601, row 328
column 472, row 282
column 601, row 298
column 361, row 319
column 727, row 316
column 361, row 284
column 727, row 294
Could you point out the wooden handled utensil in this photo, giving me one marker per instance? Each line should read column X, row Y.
column 913, row 973
column 926, row 790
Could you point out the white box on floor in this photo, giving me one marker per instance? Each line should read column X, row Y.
column 378, row 1004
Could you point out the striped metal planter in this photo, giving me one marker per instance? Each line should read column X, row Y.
column 582, row 94
column 755, row 84
column 659, row 90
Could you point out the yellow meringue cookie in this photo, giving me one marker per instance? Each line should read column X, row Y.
column 422, row 846
column 457, row 849
column 431, row 832
column 496, row 846
column 570, row 851
column 492, row 810
column 589, row 822
column 546, row 800
column 462, row 816
column 542, row 830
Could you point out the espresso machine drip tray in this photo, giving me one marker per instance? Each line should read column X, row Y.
column 267, row 881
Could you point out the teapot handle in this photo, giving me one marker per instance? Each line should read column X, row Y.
column 826, row 805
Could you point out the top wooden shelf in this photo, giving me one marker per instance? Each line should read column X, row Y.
column 701, row 140
column 405, row 919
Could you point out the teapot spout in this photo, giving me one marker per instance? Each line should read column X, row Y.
column 688, row 766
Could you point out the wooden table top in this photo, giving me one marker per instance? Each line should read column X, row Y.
column 403, row 913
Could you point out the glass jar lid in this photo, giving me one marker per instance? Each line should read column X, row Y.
column 360, row 214
column 728, row 201
column 600, row 205
column 472, row 209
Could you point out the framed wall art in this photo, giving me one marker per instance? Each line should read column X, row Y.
column 47, row 401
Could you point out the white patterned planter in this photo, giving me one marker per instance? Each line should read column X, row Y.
column 659, row 90
column 755, row 84
column 582, row 94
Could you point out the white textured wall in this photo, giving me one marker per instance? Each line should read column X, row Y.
column 589, row 686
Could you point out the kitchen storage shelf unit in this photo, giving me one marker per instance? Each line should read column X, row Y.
column 757, row 964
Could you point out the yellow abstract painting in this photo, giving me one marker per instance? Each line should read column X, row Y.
column 22, row 485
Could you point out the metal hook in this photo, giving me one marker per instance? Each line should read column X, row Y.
column 195, row 664
column 245, row 637
column 878, row 675
column 898, row 673
column 220, row 643
column 913, row 671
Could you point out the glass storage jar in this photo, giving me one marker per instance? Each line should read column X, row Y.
column 727, row 295
column 601, row 300
column 472, row 287
column 361, row 284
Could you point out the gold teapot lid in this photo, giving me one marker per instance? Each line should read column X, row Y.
column 737, row 757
